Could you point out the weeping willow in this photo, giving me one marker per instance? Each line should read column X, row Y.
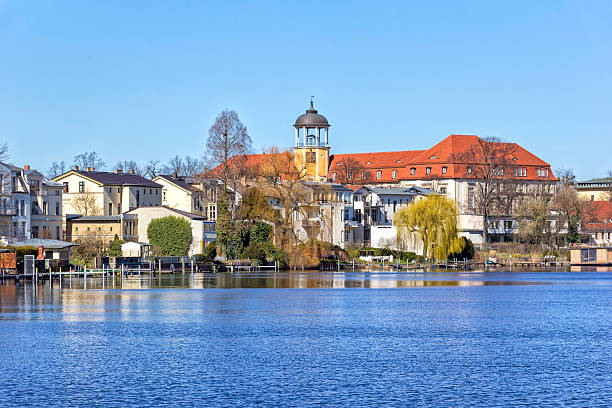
column 431, row 222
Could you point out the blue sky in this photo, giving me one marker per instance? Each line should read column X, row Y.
column 145, row 80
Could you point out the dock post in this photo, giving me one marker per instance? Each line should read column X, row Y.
column 353, row 264
column 85, row 277
column 383, row 266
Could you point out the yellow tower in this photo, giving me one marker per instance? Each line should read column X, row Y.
column 311, row 145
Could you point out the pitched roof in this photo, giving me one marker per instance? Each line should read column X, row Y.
column 114, row 179
column 443, row 154
column 177, row 181
column 599, row 218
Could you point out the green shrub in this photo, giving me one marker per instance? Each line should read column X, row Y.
column 467, row 252
column 254, row 252
column 210, row 252
column 115, row 247
column 171, row 234
column 261, row 232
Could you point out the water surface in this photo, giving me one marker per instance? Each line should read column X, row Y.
column 430, row 339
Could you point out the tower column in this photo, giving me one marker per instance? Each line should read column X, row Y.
column 296, row 137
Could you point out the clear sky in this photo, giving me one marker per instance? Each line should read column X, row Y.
column 145, row 80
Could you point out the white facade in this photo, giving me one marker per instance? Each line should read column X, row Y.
column 114, row 193
column 198, row 225
column 14, row 204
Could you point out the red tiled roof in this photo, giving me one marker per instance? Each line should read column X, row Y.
column 443, row 154
column 599, row 218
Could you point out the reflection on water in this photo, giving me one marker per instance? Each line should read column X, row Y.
column 446, row 338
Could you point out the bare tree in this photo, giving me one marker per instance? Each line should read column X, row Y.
column 128, row 166
column 191, row 166
column 351, row 171
column 3, row 151
column 89, row 159
column 86, row 203
column 566, row 177
column 489, row 163
column 56, row 169
column 174, row 167
column 227, row 139
column 298, row 204
column 152, row 169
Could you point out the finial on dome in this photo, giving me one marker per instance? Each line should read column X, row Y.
column 312, row 102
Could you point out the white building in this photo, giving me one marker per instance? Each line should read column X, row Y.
column 179, row 194
column 202, row 231
column 375, row 209
column 14, row 204
column 90, row 192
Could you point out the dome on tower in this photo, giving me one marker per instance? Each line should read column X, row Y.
column 311, row 119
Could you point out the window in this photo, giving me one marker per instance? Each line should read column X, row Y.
column 58, row 234
column 110, row 208
column 76, row 229
column 81, row 186
column 394, row 174
column 469, row 169
column 363, row 175
column 311, row 157
column 521, row 172
column 57, row 209
column 137, row 198
column 428, row 170
column 378, row 174
column 111, row 229
column 412, row 171
column 443, row 190
column 470, row 197
column 65, row 187
column 443, row 169
column 45, row 207
column 508, row 224
column 349, row 175
column 334, row 176
column 151, row 191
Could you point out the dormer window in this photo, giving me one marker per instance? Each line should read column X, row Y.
column 433, row 157
column 368, row 162
column 469, row 170
column 399, row 161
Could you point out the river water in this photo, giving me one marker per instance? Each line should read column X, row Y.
column 310, row 339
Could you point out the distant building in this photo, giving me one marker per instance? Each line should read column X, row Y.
column 179, row 194
column 103, row 227
column 375, row 208
column 597, row 223
column 90, row 192
column 45, row 204
column 14, row 204
column 598, row 189
column 203, row 231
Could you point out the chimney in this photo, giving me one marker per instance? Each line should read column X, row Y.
column 76, row 167
column 26, row 167
column 118, row 171
column 132, row 171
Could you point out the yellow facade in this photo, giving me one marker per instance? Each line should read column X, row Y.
column 314, row 161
